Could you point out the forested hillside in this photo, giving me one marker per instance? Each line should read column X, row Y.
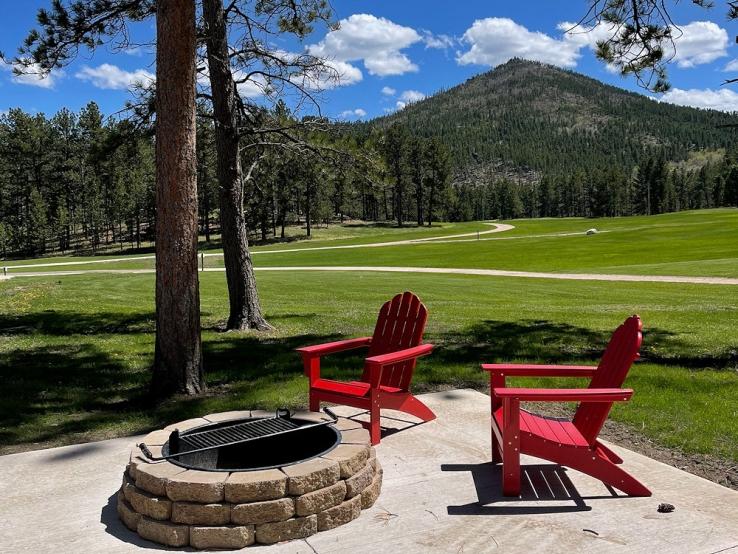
column 524, row 140
column 525, row 114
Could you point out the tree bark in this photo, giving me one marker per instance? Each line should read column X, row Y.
column 245, row 309
column 178, row 353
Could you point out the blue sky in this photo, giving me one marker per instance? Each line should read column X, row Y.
column 394, row 52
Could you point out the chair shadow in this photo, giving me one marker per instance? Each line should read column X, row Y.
column 386, row 431
column 540, row 483
column 114, row 526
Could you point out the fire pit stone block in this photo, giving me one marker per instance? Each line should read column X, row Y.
column 355, row 436
column 127, row 514
column 340, row 515
column 156, row 438
column 147, row 504
column 297, row 528
column 225, row 416
column 357, row 483
column 193, row 513
column 370, row 494
column 312, row 475
column 231, row 537
column 153, row 477
column 252, row 486
column 268, row 511
column 186, row 424
column 350, row 457
column 322, row 499
column 163, row 532
column 197, row 486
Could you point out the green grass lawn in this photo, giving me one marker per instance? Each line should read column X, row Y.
column 697, row 243
column 74, row 350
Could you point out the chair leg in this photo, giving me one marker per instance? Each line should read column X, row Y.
column 314, row 402
column 496, row 452
column 609, row 454
column 511, row 448
column 415, row 407
column 375, row 431
column 600, row 467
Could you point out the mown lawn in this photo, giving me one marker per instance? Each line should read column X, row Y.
column 701, row 243
column 697, row 243
column 74, row 351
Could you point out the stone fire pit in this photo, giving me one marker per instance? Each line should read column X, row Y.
column 175, row 506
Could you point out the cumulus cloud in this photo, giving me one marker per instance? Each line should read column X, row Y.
column 112, row 77
column 699, row 42
column 732, row 65
column 374, row 40
column 351, row 114
column 495, row 40
column 724, row 100
column 408, row 97
column 389, row 91
column 696, row 43
column 440, row 42
column 33, row 75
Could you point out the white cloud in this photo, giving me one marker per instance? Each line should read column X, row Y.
column 375, row 40
column 696, row 43
column 699, row 42
column 350, row 114
column 389, row 91
column 335, row 74
column 137, row 51
column 724, row 100
column 412, row 96
column 440, row 42
column 112, row 77
column 495, row 40
column 33, row 75
column 732, row 65
column 408, row 97
column 581, row 36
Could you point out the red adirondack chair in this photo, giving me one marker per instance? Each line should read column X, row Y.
column 569, row 443
column 393, row 350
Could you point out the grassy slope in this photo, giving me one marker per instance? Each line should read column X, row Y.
column 689, row 243
column 699, row 243
column 74, row 351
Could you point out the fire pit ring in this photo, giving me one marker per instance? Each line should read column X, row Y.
column 204, row 501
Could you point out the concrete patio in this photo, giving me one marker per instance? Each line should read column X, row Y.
column 440, row 494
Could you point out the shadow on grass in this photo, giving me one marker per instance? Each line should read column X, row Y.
column 544, row 341
column 63, row 383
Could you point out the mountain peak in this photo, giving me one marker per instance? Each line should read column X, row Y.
column 538, row 117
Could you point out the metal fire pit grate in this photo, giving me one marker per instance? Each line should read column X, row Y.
column 193, row 441
column 235, row 434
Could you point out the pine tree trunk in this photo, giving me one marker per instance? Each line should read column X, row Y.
column 245, row 310
column 178, row 355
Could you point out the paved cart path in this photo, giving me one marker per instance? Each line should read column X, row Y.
column 436, row 270
column 497, row 228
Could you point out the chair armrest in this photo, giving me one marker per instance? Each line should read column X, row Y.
column 534, row 370
column 400, row 356
column 563, row 395
column 376, row 364
column 333, row 347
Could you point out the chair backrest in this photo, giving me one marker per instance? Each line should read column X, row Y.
column 621, row 352
column 400, row 325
